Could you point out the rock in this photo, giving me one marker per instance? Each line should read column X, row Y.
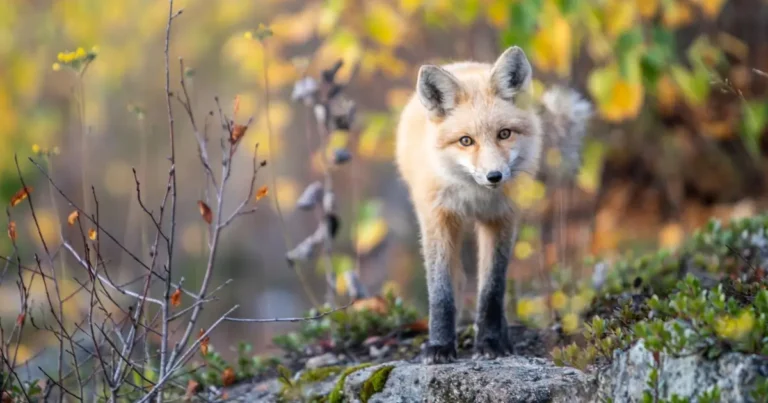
column 689, row 376
column 324, row 360
column 509, row 379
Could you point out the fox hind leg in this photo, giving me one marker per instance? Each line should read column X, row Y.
column 494, row 243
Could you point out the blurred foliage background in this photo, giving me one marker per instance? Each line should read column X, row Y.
column 678, row 87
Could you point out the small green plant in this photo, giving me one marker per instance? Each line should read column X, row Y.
column 375, row 383
column 708, row 298
column 350, row 327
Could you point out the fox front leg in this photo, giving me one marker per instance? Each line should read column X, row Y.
column 440, row 235
column 494, row 241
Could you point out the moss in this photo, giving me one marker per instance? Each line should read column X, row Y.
column 375, row 383
column 336, row 394
column 319, row 374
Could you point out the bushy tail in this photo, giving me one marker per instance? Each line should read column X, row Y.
column 565, row 115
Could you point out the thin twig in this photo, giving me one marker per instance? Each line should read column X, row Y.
column 276, row 320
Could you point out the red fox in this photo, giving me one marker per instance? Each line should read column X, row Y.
column 467, row 131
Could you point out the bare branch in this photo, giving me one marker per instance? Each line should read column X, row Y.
column 299, row 319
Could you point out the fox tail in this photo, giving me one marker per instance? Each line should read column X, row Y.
column 565, row 115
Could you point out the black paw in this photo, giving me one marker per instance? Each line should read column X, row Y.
column 489, row 347
column 438, row 354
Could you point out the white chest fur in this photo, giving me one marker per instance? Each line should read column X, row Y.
column 472, row 201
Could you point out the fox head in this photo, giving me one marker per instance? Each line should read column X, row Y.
column 481, row 119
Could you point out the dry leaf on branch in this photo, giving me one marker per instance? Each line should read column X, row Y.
column 203, row 342
column 192, row 388
column 205, row 211
column 263, row 191
column 19, row 196
column 228, row 376
column 176, row 298
column 92, row 234
column 12, row 231
column 73, row 217
column 238, row 131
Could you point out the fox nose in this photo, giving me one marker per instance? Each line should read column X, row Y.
column 493, row 176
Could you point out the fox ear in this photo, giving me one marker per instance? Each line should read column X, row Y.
column 438, row 90
column 511, row 73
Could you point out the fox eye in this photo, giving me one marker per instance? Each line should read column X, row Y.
column 466, row 141
column 505, row 134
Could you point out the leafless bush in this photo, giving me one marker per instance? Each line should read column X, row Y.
column 112, row 353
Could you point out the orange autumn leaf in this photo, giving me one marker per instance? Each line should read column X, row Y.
column 192, row 388
column 73, row 217
column 92, row 234
column 12, row 231
column 21, row 195
column 204, row 342
column 263, row 191
column 205, row 211
column 419, row 326
column 238, row 131
column 176, row 297
column 374, row 304
column 228, row 376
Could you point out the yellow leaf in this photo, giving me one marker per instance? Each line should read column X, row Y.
column 498, row 13
column 263, row 191
column 671, row 235
column 620, row 16
column 570, row 323
column 647, row 8
column 617, row 97
column 627, row 97
column 296, row 27
column 590, row 173
column 370, row 233
column 383, row 24
column 92, row 234
column 676, row 14
column 559, row 300
column 711, row 8
column 73, row 217
column 523, row 250
column 341, row 284
column 552, row 45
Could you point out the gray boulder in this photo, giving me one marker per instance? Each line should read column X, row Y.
column 507, row 380
column 688, row 376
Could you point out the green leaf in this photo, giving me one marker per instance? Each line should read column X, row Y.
column 694, row 85
column 523, row 21
column 628, row 41
column 566, row 6
column 754, row 119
